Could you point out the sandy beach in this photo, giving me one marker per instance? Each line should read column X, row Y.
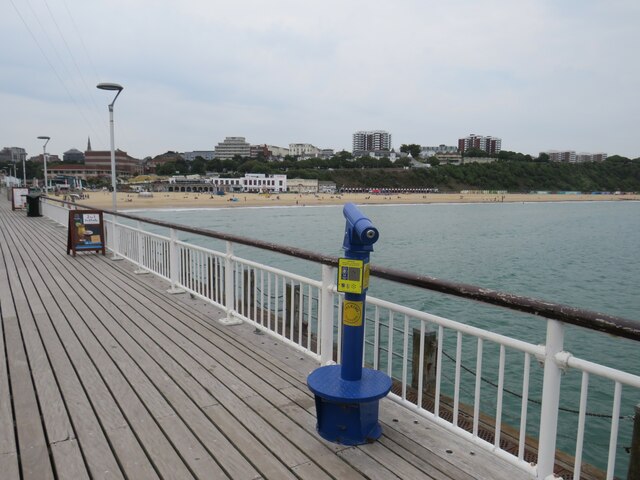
column 128, row 201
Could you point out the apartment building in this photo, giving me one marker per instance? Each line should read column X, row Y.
column 371, row 141
column 491, row 145
column 232, row 146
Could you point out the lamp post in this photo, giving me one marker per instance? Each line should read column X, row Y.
column 44, row 159
column 117, row 88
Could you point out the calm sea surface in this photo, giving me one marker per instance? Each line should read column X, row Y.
column 580, row 254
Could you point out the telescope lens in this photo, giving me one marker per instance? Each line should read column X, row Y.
column 371, row 234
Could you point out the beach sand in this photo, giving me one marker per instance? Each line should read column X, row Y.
column 127, row 201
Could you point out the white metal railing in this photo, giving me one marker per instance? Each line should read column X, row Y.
column 410, row 345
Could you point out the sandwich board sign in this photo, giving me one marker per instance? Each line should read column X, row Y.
column 85, row 231
column 19, row 197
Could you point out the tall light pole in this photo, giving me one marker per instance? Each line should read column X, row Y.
column 118, row 88
column 44, row 159
column 24, row 170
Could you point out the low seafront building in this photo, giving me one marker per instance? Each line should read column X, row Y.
column 303, row 185
column 250, row 183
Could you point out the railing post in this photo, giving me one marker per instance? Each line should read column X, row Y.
column 550, row 400
column 229, row 289
column 326, row 315
column 174, row 264
column 141, row 270
column 116, row 241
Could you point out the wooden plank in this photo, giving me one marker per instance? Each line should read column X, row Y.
column 310, row 471
column 392, row 460
column 372, row 470
column 9, row 466
column 7, row 435
column 263, row 459
column 34, row 456
column 68, row 460
column 464, row 455
column 410, row 451
column 131, row 457
column 53, row 411
column 303, row 439
column 191, row 450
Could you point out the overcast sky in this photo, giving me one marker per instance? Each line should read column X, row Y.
column 540, row 74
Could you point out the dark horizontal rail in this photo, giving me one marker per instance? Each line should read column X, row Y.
column 618, row 326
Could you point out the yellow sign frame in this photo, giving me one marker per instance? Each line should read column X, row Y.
column 351, row 276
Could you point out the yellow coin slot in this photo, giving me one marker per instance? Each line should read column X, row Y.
column 352, row 313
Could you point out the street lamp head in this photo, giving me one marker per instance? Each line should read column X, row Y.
column 44, row 137
column 110, row 86
column 114, row 87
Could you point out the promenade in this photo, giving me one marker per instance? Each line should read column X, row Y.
column 105, row 375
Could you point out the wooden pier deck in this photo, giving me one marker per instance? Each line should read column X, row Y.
column 105, row 375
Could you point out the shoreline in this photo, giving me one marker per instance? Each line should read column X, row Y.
column 181, row 200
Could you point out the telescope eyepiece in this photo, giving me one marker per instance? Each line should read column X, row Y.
column 370, row 234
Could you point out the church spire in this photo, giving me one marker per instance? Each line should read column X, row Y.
column 88, row 144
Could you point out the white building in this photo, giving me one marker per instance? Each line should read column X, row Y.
column 13, row 154
column 303, row 185
column 303, row 150
column 427, row 152
column 562, row 156
column 371, row 141
column 590, row 157
column 232, row 146
column 252, row 182
column 206, row 154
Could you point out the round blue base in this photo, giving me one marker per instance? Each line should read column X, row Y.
column 347, row 411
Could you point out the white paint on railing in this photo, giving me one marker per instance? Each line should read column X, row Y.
column 476, row 401
column 584, row 391
column 421, row 365
column 229, row 287
column 550, row 399
column 436, row 408
column 498, row 419
column 523, row 408
column 456, row 382
column 174, row 263
column 613, row 439
column 405, row 356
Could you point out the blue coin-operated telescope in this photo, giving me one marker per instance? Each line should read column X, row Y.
column 347, row 395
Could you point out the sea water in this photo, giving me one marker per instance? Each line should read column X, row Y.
column 582, row 254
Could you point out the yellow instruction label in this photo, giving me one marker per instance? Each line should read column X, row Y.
column 350, row 275
column 352, row 313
